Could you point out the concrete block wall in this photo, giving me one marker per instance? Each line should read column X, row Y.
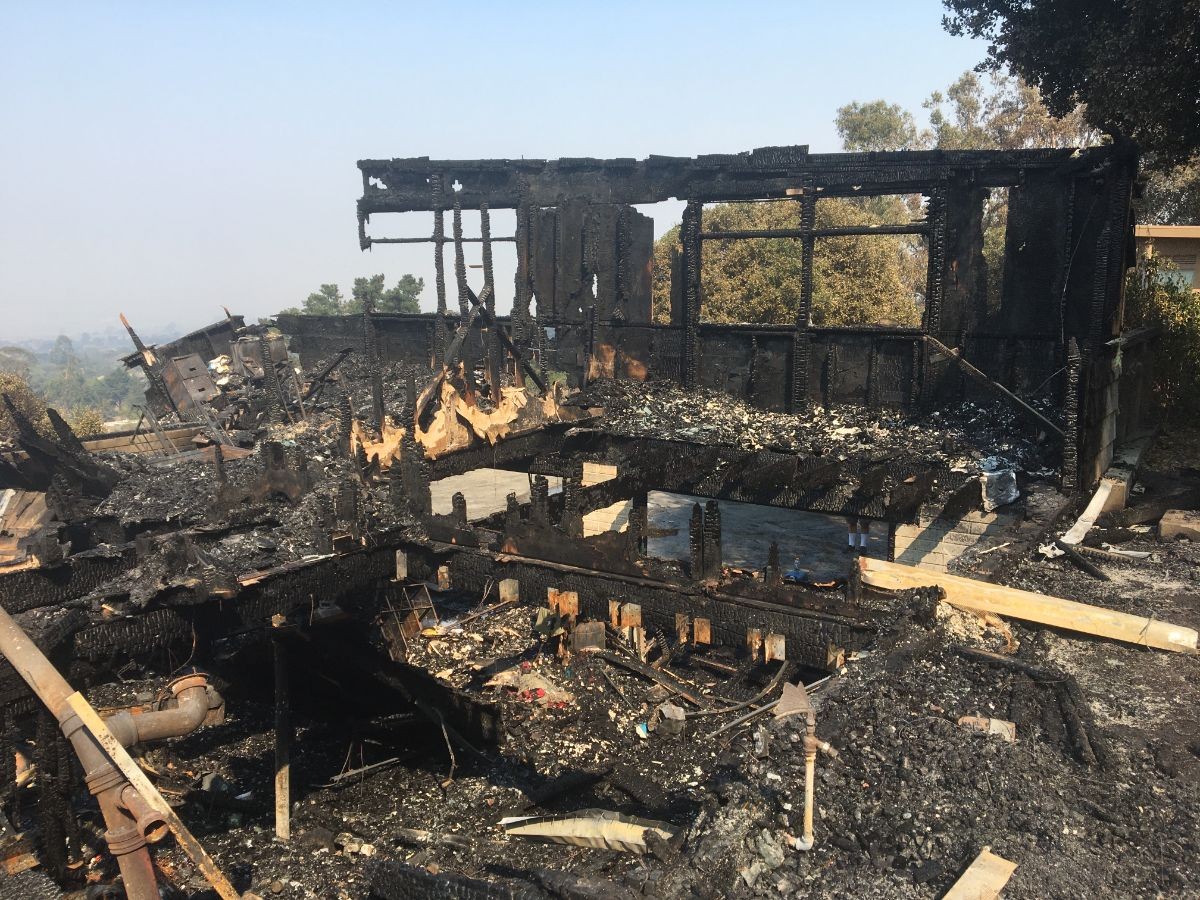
column 934, row 543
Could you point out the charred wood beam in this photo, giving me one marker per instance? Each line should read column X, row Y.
column 515, row 453
column 402, row 185
column 434, row 239
column 326, row 371
column 495, row 325
column 890, row 487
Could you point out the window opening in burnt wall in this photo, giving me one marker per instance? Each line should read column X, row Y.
column 995, row 228
column 414, row 235
column 751, row 262
column 870, row 261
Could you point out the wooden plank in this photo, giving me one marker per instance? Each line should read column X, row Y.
column 1088, row 518
column 982, row 597
column 136, row 777
column 984, row 879
column 178, row 436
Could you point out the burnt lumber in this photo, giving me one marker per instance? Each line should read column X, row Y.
column 982, row 597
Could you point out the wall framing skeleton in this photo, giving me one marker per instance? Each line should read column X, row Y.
column 1067, row 246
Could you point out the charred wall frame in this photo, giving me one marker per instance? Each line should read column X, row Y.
column 1066, row 254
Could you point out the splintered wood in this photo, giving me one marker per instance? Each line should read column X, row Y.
column 382, row 448
column 458, row 422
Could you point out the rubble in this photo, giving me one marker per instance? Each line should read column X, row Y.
column 422, row 675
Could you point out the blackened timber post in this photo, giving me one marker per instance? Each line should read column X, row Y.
column 801, row 341
column 696, row 541
column 436, row 184
column 371, row 348
column 712, row 540
column 690, row 237
column 494, row 352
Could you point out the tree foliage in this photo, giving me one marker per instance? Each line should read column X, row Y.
column 877, row 279
column 33, row 407
column 856, row 280
column 329, row 300
column 1154, row 298
column 83, row 383
column 1006, row 113
column 403, row 298
column 1170, row 197
column 877, row 125
column 1134, row 63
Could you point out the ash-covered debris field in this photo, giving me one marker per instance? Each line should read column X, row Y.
column 573, row 603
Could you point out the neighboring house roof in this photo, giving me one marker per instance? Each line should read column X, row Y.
column 1167, row 231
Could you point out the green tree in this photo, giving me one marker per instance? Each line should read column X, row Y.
column 26, row 400
column 17, row 359
column 329, row 300
column 1153, row 297
column 404, row 297
column 85, row 421
column 1134, row 63
column 856, row 280
column 878, row 125
column 366, row 289
column 1004, row 114
column 62, row 354
column 1170, row 196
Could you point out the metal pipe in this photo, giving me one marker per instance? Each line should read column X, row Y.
column 150, row 822
column 193, row 697
column 125, row 840
column 283, row 740
column 810, row 783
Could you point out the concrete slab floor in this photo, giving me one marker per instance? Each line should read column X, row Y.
column 809, row 541
column 486, row 491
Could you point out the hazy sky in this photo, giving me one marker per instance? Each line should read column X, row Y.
column 162, row 159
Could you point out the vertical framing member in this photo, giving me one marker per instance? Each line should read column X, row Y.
column 690, row 237
column 802, row 342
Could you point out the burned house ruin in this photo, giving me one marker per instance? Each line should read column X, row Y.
column 556, row 547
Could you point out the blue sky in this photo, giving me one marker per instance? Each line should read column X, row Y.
column 162, row 159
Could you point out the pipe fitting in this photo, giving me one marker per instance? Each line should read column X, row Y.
column 102, row 779
column 149, row 821
column 193, row 698
column 124, row 840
